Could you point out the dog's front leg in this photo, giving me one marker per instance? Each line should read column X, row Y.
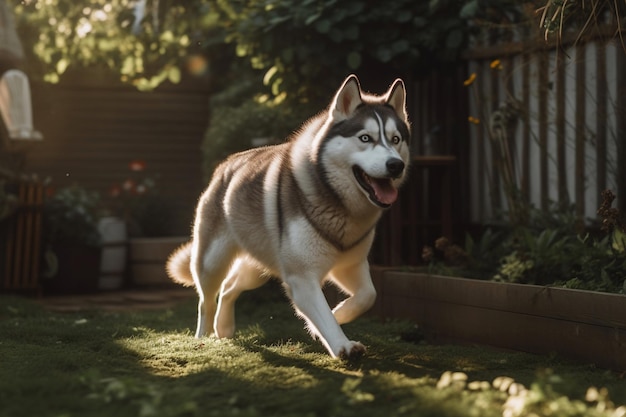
column 357, row 282
column 309, row 302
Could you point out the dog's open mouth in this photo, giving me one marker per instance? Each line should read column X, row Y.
column 381, row 191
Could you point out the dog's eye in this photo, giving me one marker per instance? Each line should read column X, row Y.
column 365, row 138
column 396, row 139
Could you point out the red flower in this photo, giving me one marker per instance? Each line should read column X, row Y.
column 115, row 191
column 137, row 165
column 129, row 186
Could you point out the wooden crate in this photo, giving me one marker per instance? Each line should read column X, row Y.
column 20, row 239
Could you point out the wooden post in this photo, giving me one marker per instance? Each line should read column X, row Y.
column 543, row 127
column 601, row 118
column 580, row 131
column 621, row 129
column 560, row 128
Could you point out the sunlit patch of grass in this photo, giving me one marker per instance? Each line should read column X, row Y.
column 149, row 364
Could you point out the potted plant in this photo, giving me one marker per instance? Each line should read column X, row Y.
column 73, row 242
column 148, row 217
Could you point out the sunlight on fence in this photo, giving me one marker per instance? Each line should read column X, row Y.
column 563, row 131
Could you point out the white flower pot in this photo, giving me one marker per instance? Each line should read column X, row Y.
column 114, row 250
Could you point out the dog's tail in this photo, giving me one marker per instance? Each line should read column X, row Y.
column 179, row 266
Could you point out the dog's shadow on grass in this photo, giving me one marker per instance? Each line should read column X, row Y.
column 267, row 325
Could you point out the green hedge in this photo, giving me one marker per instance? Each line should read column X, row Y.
column 233, row 128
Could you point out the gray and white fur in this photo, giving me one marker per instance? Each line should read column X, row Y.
column 304, row 211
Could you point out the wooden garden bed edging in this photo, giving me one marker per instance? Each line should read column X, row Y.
column 582, row 325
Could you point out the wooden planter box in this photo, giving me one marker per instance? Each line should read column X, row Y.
column 147, row 257
column 583, row 325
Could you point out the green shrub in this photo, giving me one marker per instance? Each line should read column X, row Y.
column 304, row 48
column 547, row 251
column 233, row 128
column 70, row 217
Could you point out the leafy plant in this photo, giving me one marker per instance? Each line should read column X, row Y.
column 137, row 200
column 478, row 258
column 232, row 129
column 483, row 251
column 302, row 47
column 542, row 257
column 306, row 47
column 145, row 45
column 70, row 217
column 548, row 251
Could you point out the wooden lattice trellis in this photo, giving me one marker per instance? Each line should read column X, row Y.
column 20, row 238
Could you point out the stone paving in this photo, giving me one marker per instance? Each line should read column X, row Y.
column 135, row 299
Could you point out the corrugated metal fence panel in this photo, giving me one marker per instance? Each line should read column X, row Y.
column 566, row 142
column 92, row 134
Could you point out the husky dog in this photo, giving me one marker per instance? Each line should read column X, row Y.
column 304, row 211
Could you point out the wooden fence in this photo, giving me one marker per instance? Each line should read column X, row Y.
column 552, row 116
column 438, row 180
column 92, row 132
column 20, row 239
column 566, row 109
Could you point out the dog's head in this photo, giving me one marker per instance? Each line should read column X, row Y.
column 369, row 136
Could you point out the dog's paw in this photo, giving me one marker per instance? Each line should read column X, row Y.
column 351, row 350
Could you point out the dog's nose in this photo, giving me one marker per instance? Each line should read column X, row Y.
column 395, row 167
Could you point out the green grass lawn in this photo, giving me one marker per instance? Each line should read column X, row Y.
column 149, row 364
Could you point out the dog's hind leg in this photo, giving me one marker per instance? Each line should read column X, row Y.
column 244, row 275
column 357, row 282
column 209, row 267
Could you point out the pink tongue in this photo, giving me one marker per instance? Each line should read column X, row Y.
column 385, row 192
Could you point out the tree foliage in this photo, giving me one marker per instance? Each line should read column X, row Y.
column 145, row 47
column 302, row 45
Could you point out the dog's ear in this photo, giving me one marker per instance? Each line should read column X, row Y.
column 347, row 99
column 396, row 98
